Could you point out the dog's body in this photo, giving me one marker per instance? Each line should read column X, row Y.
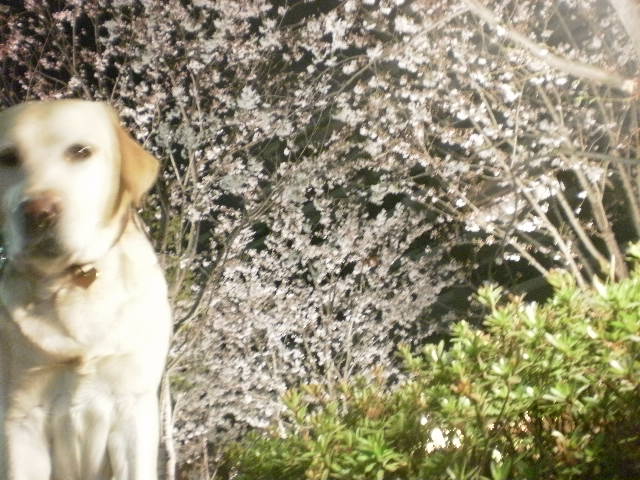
column 84, row 315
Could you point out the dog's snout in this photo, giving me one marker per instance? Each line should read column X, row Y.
column 40, row 211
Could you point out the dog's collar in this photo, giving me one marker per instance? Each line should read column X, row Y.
column 83, row 275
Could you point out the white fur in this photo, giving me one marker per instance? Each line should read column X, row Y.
column 79, row 366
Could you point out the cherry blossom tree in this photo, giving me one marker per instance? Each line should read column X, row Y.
column 339, row 175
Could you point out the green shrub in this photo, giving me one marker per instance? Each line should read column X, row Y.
column 542, row 391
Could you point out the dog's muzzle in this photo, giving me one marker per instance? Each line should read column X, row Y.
column 39, row 213
column 38, row 216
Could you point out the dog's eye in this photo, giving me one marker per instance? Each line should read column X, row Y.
column 78, row 152
column 9, row 158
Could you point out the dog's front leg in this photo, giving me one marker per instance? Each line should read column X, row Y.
column 28, row 456
column 24, row 454
column 133, row 442
column 3, row 406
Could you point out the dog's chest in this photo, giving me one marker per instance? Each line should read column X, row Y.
column 71, row 321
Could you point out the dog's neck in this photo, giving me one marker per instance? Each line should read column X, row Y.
column 83, row 275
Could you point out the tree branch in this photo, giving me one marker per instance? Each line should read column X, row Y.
column 629, row 14
column 577, row 69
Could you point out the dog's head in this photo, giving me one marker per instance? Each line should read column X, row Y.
column 68, row 175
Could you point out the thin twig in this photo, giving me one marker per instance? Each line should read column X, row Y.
column 167, row 428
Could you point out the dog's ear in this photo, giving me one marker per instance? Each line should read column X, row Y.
column 138, row 168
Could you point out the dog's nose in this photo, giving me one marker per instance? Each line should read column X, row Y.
column 40, row 211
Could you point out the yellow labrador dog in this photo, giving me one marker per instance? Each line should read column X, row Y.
column 84, row 315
